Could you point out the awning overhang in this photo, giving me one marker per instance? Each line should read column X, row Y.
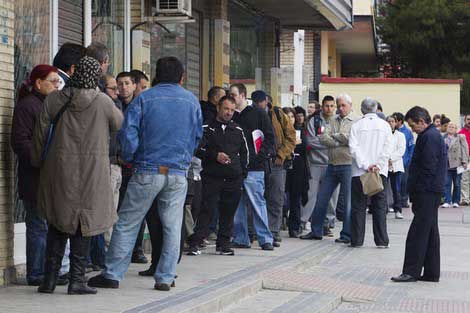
column 307, row 14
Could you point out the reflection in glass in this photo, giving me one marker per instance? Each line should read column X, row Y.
column 107, row 28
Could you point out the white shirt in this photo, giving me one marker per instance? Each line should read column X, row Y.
column 398, row 150
column 370, row 143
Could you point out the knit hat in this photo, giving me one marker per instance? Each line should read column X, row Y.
column 258, row 96
column 87, row 74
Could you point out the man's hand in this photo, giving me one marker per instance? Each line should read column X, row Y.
column 223, row 158
column 278, row 161
column 373, row 168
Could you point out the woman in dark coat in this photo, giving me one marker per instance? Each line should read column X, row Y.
column 43, row 80
column 298, row 175
column 75, row 193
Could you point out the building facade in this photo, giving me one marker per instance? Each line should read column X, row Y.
column 219, row 41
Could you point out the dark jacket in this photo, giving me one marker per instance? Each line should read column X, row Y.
column 230, row 141
column 209, row 111
column 297, row 180
column 251, row 119
column 428, row 169
column 113, row 141
column 24, row 118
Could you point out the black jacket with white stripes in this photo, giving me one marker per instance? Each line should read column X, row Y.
column 229, row 139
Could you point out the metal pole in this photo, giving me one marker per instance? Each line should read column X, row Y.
column 87, row 23
column 54, row 28
column 127, row 35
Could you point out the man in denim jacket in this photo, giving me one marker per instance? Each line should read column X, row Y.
column 162, row 128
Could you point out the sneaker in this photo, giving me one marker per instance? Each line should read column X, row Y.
column 398, row 216
column 455, row 205
column 327, row 232
column 267, row 247
column 276, row 244
column 225, row 251
column 212, row 237
column 382, row 246
column 139, row 258
column 277, row 237
column 194, row 251
column 446, row 205
column 391, row 210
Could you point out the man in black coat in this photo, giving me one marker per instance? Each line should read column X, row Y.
column 224, row 154
column 209, row 107
column 259, row 134
column 425, row 185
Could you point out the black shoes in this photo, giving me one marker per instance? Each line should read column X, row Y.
column 139, row 258
column 267, row 247
column 102, row 282
column 293, row 234
column 429, row 279
column 342, row 240
column 225, row 251
column 404, row 278
column 149, row 272
column 310, row 236
column 80, row 288
column 49, row 283
column 240, row 246
column 164, row 287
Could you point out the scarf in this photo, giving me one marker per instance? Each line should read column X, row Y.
column 87, row 74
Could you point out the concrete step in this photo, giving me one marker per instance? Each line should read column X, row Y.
column 279, row 301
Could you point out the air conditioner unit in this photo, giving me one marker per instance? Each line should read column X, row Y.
column 174, row 7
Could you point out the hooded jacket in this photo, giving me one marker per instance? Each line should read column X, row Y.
column 75, row 185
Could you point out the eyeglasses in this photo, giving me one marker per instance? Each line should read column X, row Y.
column 112, row 88
column 54, row 81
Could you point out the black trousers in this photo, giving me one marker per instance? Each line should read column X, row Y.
column 358, row 214
column 221, row 194
column 126, row 177
column 422, row 241
column 155, row 227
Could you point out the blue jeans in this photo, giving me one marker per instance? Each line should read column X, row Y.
column 395, row 184
column 97, row 250
column 335, row 174
column 36, row 239
column 453, row 178
column 170, row 193
column 253, row 197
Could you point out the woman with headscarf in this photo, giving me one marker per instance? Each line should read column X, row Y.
column 75, row 194
column 43, row 80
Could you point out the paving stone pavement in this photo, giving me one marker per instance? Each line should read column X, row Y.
column 318, row 276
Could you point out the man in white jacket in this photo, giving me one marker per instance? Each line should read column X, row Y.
column 370, row 143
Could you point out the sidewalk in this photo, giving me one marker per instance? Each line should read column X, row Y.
column 301, row 276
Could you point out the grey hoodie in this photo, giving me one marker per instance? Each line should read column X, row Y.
column 317, row 152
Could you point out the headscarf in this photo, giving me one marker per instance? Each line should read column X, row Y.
column 87, row 74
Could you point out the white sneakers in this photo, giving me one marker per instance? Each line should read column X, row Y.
column 446, row 205
column 398, row 216
column 455, row 205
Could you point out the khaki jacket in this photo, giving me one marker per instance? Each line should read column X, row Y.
column 336, row 138
column 457, row 152
column 75, row 179
column 285, row 134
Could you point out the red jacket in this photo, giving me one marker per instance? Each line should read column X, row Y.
column 466, row 132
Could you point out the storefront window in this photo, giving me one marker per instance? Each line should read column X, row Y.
column 31, row 36
column 107, row 28
column 31, row 49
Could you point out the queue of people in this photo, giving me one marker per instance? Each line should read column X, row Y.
column 102, row 156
